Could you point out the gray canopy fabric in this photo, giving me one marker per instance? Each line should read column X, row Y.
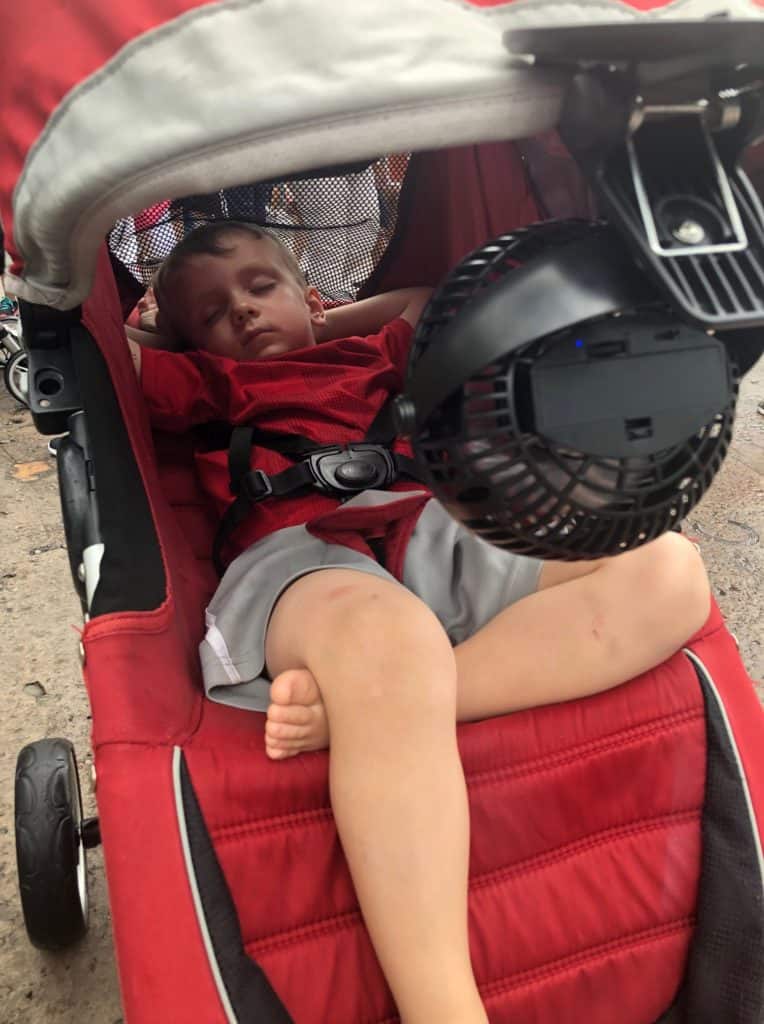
column 247, row 90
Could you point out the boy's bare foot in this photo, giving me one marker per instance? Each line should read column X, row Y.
column 296, row 720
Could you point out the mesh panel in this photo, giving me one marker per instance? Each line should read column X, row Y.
column 337, row 223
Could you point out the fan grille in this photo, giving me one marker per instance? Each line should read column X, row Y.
column 527, row 494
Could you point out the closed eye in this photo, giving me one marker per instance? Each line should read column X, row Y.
column 260, row 287
column 210, row 316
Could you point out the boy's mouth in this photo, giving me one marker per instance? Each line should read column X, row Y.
column 251, row 336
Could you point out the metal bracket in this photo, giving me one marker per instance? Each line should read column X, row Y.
column 677, row 223
column 658, row 122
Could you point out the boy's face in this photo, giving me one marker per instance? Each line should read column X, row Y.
column 244, row 304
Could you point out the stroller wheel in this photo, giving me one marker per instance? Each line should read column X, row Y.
column 50, row 851
column 16, row 376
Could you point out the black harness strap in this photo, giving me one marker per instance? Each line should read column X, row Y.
column 382, row 428
column 217, row 435
column 253, row 486
column 239, row 448
column 343, row 470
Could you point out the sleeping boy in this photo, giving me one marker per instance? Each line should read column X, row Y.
column 372, row 626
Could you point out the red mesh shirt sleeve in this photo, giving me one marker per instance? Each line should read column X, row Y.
column 396, row 339
column 180, row 390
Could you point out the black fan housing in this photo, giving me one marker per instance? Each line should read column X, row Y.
column 559, row 407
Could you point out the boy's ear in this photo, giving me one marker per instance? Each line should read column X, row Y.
column 315, row 306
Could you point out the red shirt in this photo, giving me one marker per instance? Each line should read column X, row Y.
column 329, row 393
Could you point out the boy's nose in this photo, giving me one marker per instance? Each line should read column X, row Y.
column 244, row 309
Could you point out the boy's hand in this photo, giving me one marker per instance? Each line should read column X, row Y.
column 324, row 331
column 147, row 311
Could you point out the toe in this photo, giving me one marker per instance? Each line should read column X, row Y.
column 285, row 731
column 295, row 686
column 290, row 714
column 279, row 753
column 290, row 746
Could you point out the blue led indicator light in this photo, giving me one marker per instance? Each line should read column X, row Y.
column 579, row 343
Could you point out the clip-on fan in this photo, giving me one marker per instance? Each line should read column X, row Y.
column 567, row 393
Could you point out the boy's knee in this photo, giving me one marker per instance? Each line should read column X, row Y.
column 350, row 622
column 387, row 635
column 377, row 614
column 679, row 556
column 678, row 575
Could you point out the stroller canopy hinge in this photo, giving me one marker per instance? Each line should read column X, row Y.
column 658, row 123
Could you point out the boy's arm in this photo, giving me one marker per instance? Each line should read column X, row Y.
column 369, row 316
column 178, row 392
column 135, row 351
column 138, row 339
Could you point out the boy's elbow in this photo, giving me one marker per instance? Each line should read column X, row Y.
column 418, row 299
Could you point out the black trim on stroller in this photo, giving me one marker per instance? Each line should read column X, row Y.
column 724, row 980
column 244, row 989
column 132, row 574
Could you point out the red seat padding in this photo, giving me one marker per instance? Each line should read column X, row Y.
column 584, row 864
column 584, row 868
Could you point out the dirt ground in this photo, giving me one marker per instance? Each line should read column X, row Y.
column 42, row 694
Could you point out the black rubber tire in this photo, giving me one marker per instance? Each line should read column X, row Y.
column 14, row 370
column 49, row 848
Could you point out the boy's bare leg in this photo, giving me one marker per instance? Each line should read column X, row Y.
column 590, row 626
column 387, row 676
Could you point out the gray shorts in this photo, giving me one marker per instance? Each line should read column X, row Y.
column 462, row 579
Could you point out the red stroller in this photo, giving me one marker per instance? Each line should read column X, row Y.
column 616, row 863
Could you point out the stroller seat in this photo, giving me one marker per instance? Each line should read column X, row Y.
column 615, row 852
column 586, row 849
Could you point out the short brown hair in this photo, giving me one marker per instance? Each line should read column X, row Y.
column 209, row 240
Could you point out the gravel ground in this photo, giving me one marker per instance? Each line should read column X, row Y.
column 43, row 695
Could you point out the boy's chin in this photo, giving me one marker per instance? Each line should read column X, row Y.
column 277, row 347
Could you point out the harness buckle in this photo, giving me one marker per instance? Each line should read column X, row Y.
column 349, row 469
column 255, row 485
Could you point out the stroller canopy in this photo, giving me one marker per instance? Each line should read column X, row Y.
column 110, row 109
